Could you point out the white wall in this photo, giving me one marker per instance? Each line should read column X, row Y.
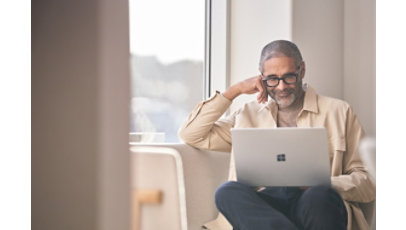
column 360, row 60
column 253, row 25
column 317, row 29
column 80, row 118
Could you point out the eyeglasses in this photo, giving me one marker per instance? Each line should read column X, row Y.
column 273, row 81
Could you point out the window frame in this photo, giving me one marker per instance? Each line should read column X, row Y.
column 217, row 46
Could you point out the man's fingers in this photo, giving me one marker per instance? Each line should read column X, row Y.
column 259, row 89
column 254, row 85
column 262, row 96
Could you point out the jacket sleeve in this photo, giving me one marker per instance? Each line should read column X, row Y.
column 204, row 129
column 355, row 183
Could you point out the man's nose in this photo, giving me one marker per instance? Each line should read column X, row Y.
column 282, row 85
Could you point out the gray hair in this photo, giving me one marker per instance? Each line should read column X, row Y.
column 280, row 48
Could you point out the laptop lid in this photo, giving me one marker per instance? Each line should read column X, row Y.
column 281, row 156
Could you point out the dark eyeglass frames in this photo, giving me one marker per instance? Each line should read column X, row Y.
column 289, row 79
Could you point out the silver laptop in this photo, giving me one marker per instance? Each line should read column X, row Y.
column 281, row 156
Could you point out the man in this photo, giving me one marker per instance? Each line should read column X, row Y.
column 292, row 104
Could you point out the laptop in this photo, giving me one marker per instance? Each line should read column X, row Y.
column 281, row 156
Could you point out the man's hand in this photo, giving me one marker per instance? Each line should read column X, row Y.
column 248, row 86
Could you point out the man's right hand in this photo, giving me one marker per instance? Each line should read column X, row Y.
column 248, row 86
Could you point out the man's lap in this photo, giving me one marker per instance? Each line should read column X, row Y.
column 292, row 202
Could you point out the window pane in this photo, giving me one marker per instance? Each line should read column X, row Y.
column 167, row 54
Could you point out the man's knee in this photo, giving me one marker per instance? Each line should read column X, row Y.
column 224, row 190
column 228, row 192
column 321, row 197
column 321, row 207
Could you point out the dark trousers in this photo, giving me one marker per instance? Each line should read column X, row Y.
column 318, row 207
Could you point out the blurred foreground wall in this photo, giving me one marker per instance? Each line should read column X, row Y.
column 80, row 98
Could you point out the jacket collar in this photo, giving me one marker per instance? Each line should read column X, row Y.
column 310, row 101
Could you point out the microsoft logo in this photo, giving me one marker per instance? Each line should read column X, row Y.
column 281, row 157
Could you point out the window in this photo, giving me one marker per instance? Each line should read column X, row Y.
column 167, row 46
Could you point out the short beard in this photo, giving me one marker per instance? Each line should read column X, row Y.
column 286, row 102
column 294, row 94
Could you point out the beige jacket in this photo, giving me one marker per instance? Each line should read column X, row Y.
column 205, row 129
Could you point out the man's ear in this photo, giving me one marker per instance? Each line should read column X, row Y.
column 303, row 69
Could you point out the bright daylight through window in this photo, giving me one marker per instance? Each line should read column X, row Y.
column 167, row 63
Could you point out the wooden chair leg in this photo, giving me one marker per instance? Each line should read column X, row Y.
column 140, row 197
